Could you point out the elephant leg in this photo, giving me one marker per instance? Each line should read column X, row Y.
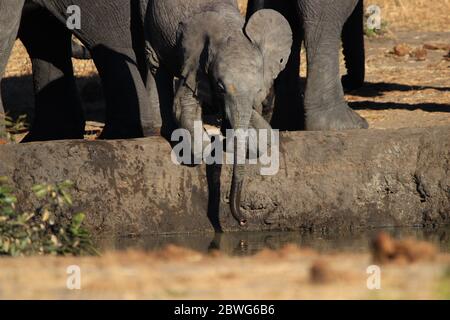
column 125, row 92
column 10, row 13
column 58, row 110
column 107, row 33
column 188, row 114
column 151, row 117
column 165, row 87
column 325, row 105
column 353, row 42
column 157, row 118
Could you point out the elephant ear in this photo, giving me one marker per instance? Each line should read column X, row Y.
column 195, row 43
column 271, row 32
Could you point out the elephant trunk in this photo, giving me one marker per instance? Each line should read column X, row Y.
column 240, row 154
column 236, row 191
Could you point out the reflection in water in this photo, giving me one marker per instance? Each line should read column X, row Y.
column 248, row 243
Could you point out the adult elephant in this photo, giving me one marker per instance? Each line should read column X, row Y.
column 10, row 13
column 112, row 32
column 320, row 24
column 58, row 112
column 220, row 60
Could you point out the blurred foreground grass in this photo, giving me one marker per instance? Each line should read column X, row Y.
column 52, row 228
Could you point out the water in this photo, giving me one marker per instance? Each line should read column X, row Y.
column 248, row 243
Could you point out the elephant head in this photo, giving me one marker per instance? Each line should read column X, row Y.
column 233, row 65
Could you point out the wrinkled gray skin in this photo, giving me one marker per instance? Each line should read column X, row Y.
column 10, row 12
column 321, row 23
column 219, row 61
column 58, row 110
column 112, row 32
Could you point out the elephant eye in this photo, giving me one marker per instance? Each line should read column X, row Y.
column 282, row 60
column 221, row 86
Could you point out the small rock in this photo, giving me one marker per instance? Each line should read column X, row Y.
column 402, row 50
column 385, row 249
column 321, row 273
column 436, row 46
column 420, row 54
column 447, row 56
column 413, row 250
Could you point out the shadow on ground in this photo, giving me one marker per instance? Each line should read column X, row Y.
column 377, row 89
column 373, row 90
column 371, row 105
column 18, row 97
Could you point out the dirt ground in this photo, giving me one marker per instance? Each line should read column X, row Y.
column 401, row 91
column 176, row 273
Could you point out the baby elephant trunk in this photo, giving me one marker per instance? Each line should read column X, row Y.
column 236, row 192
column 240, row 154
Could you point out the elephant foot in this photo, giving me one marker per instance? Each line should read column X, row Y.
column 152, row 132
column 341, row 117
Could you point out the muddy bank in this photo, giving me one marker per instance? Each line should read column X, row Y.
column 327, row 181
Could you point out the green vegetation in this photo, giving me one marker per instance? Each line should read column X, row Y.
column 52, row 229
column 12, row 126
column 376, row 32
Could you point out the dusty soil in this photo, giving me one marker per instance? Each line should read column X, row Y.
column 176, row 273
column 400, row 92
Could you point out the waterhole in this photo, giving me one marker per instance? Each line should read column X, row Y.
column 249, row 243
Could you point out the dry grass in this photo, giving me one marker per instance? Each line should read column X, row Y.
column 20, row 65
column 419, row 15
column 175, row 273
column 413, row 15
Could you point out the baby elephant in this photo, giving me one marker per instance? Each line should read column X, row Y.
column 219, row 60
